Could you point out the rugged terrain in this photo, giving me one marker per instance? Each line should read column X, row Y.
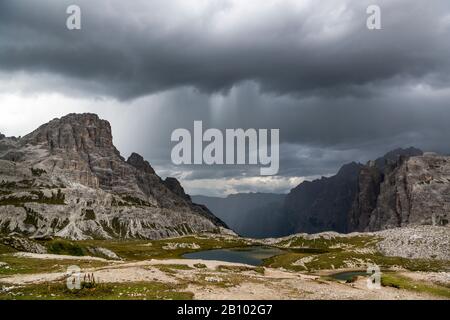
column 306, row 267
column 67, row 179
column 321, row 205
column 411, row 191
column 404, row 187
column 68, row 198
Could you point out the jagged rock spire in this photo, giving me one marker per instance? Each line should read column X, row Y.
column 137, row 161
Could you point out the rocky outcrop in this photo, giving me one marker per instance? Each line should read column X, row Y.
column 21, row 244
column 404, row 187
column 374, row 196
column 137, row 161
column 67, row 179
column 174, row 185
column 392, row 157
column 366, row 197
column 412, row 191
column 321, row 205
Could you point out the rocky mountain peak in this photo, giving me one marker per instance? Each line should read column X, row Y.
column 137, row 161
column 412, row 190
column 374, row 196
column 77, row 132
column 174, row 185
column 396, row 155
column 2, row 136
column 67, row 179
column 349, row 169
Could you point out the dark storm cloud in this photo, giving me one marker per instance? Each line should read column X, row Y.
column 318, row 135
column 337, row 91
column 129, row 50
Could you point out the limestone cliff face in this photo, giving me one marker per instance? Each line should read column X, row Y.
column 404, row 187
column 321, row 205
column 413, row 191
column 67, row 179
column 366, row 197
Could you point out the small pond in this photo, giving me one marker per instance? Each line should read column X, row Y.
column 250, row 255
column 348, row 275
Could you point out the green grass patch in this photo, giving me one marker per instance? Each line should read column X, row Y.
column 129, row 201
column 20, row 265
column 285, row 261
column 6, row 249
column 172, row 268
column 66, row 247
column 57, row 198
column 236, row 269
column 101, row 291
column 401, row 282
column 342, row 259
column 224, row 280
column 330, row 244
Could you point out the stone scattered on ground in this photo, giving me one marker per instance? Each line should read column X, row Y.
column 175, row 245
column 420, row 242
column 23, row 244
column 99, row 251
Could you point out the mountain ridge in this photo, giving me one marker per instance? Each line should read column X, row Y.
column 74, row 157
column 403, row 187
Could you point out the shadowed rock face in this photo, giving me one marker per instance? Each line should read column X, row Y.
column 404, row 187
column 370, row 186
column 67, row 179
column 321, row 205
column 412, row 191
column 139, row 163
column 369, row 181
column 392, row 191
column 174, row 185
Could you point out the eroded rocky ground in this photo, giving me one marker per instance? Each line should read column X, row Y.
column 304, row 270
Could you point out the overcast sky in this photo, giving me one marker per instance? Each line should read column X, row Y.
column 337, row 91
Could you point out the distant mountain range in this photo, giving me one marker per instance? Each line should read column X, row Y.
column 404, row 187
column 67, row 179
